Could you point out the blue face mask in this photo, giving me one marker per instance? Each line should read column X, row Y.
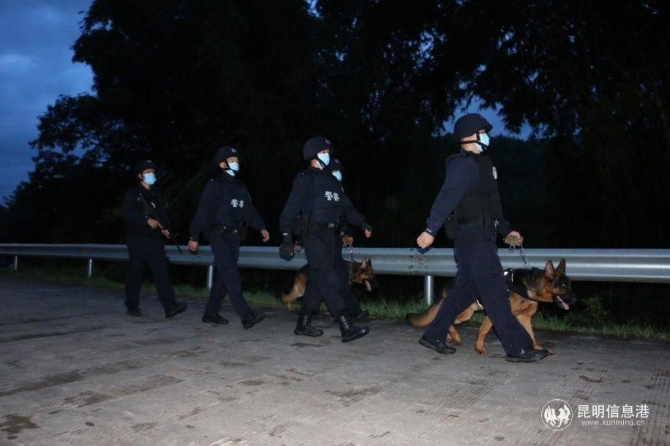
column 232, row 168
column 324, row 158
column 483, row 141
column 149, row 178
column 337, row 174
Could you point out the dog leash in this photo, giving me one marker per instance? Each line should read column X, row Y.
column 514, row 240
column 350, row 246
column 512, row 248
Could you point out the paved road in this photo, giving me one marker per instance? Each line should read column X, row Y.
column 74, row 370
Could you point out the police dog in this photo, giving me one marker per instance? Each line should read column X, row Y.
column 528, row 287
column 360, row 273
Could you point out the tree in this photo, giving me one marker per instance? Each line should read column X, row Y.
column 590, row 78
column 174, row 79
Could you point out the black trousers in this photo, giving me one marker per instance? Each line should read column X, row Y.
column 149, row 250
column 322, row 253
column 227, row 280
column 480, row 276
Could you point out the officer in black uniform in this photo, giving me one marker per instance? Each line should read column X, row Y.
column 224, row 210
column 469, row 202
column 144, row 210
column 320, row 197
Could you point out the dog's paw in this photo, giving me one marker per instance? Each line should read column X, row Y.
column 451, row 340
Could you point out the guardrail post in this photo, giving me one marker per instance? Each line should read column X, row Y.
column 210, row 276
column 89, row 268
column 428, row 289
column 16, row 263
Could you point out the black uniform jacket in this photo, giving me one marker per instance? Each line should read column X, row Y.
column 319, row 194
column 140, row 204
column 225, row 202
column 466, row 173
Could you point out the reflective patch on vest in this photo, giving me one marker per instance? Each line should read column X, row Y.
column 331, row 196
column 495, row 173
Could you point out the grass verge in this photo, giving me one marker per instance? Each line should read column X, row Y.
column 379, row 309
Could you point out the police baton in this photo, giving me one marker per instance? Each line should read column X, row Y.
column 171, row 238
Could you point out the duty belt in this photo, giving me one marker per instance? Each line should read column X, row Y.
column 470, row 221
column 476, row 221
column 227, row 230
column 325, row 225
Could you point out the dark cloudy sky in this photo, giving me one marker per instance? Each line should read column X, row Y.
column 35, row 68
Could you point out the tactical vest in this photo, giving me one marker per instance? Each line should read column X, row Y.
column 149, row 203
column 327, row 199
column 481, row 204
column 230, row 200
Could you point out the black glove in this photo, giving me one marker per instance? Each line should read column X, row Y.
column 286, row 248
column 366, row 227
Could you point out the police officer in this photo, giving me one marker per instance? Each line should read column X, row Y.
column 148, row 224
column 224, row 210
column 469, row 202
column 320, row 197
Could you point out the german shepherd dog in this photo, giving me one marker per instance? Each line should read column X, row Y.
column 360, row 273
column 527, row 288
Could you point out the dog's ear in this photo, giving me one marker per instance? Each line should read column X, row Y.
column 549, row 268
column 561, row 266
column 364, row 263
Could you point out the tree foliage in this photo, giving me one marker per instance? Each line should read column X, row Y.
column 575, row 69
column 174, row 79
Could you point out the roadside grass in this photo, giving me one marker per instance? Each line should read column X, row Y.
column 379, row 309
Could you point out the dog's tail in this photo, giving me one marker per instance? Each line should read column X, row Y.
column 426, row 317
column 298, row 289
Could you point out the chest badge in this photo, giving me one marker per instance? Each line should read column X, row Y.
column 495, row 173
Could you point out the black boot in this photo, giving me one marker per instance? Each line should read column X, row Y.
column 350, row 332
column 303, row 328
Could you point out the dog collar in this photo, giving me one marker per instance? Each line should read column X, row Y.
column 516, row 287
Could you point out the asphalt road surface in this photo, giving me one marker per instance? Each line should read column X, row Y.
column 75, row 370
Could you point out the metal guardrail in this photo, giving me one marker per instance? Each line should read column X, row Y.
column 611, row 265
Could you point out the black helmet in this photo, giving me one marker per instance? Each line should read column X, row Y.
column 314, row 145
column 224, row 153
column 335, row 164
column 470, row 124
column 142, row 166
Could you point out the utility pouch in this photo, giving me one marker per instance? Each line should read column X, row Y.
column 300, row 225
column 240, row 230
column 490, row 228
column 450, row 227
